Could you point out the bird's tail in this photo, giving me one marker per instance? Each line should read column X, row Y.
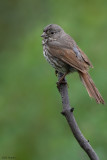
column 91, row 88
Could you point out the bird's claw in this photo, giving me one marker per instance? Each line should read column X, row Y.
column 59, row 83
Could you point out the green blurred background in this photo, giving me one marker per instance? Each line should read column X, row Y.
column 31, row 126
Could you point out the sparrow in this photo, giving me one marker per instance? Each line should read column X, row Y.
column 63, row 54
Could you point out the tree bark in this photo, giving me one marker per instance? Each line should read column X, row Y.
column 67, row 111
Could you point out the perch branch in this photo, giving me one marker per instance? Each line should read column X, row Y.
column 67, row 111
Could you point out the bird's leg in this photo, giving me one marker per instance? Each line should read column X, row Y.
column 61, row 80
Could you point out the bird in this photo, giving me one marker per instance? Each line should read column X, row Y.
column 65, row 56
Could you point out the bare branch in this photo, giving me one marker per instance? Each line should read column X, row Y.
column 68, row 113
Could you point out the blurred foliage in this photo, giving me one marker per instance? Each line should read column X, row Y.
column 31, row 126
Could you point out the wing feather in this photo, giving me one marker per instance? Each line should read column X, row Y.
column 86, row 59
column 68, row 56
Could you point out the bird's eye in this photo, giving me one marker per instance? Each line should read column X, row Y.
column 52, row 32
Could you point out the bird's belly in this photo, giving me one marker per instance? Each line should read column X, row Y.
column 56, row 63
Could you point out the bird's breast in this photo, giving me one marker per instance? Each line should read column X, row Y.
column 55, row 62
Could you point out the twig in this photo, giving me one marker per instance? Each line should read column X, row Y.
column 67, row 111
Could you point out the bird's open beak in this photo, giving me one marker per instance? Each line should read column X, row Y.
column 44, row 35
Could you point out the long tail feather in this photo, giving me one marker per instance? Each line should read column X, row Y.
column 91, row 88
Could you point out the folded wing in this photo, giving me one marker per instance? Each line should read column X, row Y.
column 68, row 56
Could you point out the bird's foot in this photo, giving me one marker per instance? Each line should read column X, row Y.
column 60, row 83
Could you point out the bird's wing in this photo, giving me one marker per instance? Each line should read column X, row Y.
column 84, row 56
column 67, row 50
column 69, row 56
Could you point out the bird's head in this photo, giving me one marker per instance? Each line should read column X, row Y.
column 52, row 31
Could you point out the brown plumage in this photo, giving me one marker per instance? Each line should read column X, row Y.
column 62, row 52
column 91, row 88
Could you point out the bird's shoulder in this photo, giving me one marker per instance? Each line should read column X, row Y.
column 69, row 43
